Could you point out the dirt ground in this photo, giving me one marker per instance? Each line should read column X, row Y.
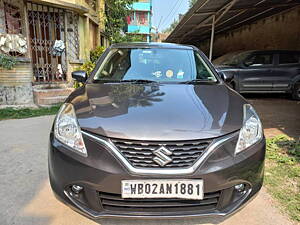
column 279, row 114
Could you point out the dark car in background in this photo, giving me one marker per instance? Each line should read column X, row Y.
column 262, row 71
column 154, row 132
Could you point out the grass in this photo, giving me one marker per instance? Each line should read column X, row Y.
column 11, row 113
column 282, row 175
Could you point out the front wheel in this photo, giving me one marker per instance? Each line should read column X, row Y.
column 296, row 91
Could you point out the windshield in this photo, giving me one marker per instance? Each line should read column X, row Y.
column 231, row 59
column 154, row 64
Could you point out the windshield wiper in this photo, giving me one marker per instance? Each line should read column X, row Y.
column 106, row 81
column 138, row 81
column 197, row 81
column 125, row 81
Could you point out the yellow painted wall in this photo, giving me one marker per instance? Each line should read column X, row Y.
column 101, row 13
column 79, row 5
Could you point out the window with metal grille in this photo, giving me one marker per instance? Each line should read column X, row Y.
column 12, row 33
column 73, row 36
column 10, row 17
column 48, row 40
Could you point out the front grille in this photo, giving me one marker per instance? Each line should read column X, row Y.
column 140, row 153
column 114, row 202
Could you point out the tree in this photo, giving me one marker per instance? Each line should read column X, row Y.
column 123, row 37
column 176, row 21
column 116, row 12
column 172, row 26
column 192, row 2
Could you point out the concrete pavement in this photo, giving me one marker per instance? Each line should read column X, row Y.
column 26, row 197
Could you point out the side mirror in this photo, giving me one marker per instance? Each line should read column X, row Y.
column 79, row 76
column 227, row 77
column 248, row 63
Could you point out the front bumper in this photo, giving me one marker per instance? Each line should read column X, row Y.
column 101, row 174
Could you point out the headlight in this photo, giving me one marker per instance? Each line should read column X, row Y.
column 251, row 131
column 67, row 130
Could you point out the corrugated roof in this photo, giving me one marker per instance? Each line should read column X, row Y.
column 195, row 26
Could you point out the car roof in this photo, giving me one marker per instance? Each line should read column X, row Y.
column 267, row 51
column 152, row 45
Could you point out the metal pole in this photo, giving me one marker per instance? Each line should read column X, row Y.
column 212, row 37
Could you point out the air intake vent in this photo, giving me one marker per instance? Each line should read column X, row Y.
column 114, row 202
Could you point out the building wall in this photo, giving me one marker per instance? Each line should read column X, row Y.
column 141, row 7
column 16, row 85
column 281, row 31
column 138, row 29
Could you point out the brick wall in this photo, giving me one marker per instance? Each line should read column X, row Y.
column 281, row 31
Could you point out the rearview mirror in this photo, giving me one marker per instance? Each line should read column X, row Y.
column 80, row 76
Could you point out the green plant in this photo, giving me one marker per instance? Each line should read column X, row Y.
column 129, row 38
column 89, row 65
column 282, row 173
column 283, row 149
column 176, row 21
column 116, row 12
column 96, row 53
column 7, row 62
column 172, row 26
column 11, row 113
column 192, row 2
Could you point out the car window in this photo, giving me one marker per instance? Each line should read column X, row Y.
column 289, row 58
column 202, row 70
column 231, row 59
column 259, row 60
column 155, row 64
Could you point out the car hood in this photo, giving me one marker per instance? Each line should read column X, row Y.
column 158, row 111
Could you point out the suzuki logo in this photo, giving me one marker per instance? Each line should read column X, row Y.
column 162, row 156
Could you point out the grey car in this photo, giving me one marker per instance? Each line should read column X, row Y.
column 155, row 133
column 272, row 71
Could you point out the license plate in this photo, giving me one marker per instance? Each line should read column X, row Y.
column 183, row 189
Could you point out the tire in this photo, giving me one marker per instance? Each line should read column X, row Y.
column 296, row 91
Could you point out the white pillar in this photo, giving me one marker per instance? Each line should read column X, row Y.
column 212, row 37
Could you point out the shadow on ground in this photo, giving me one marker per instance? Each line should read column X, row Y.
column 279, row 114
